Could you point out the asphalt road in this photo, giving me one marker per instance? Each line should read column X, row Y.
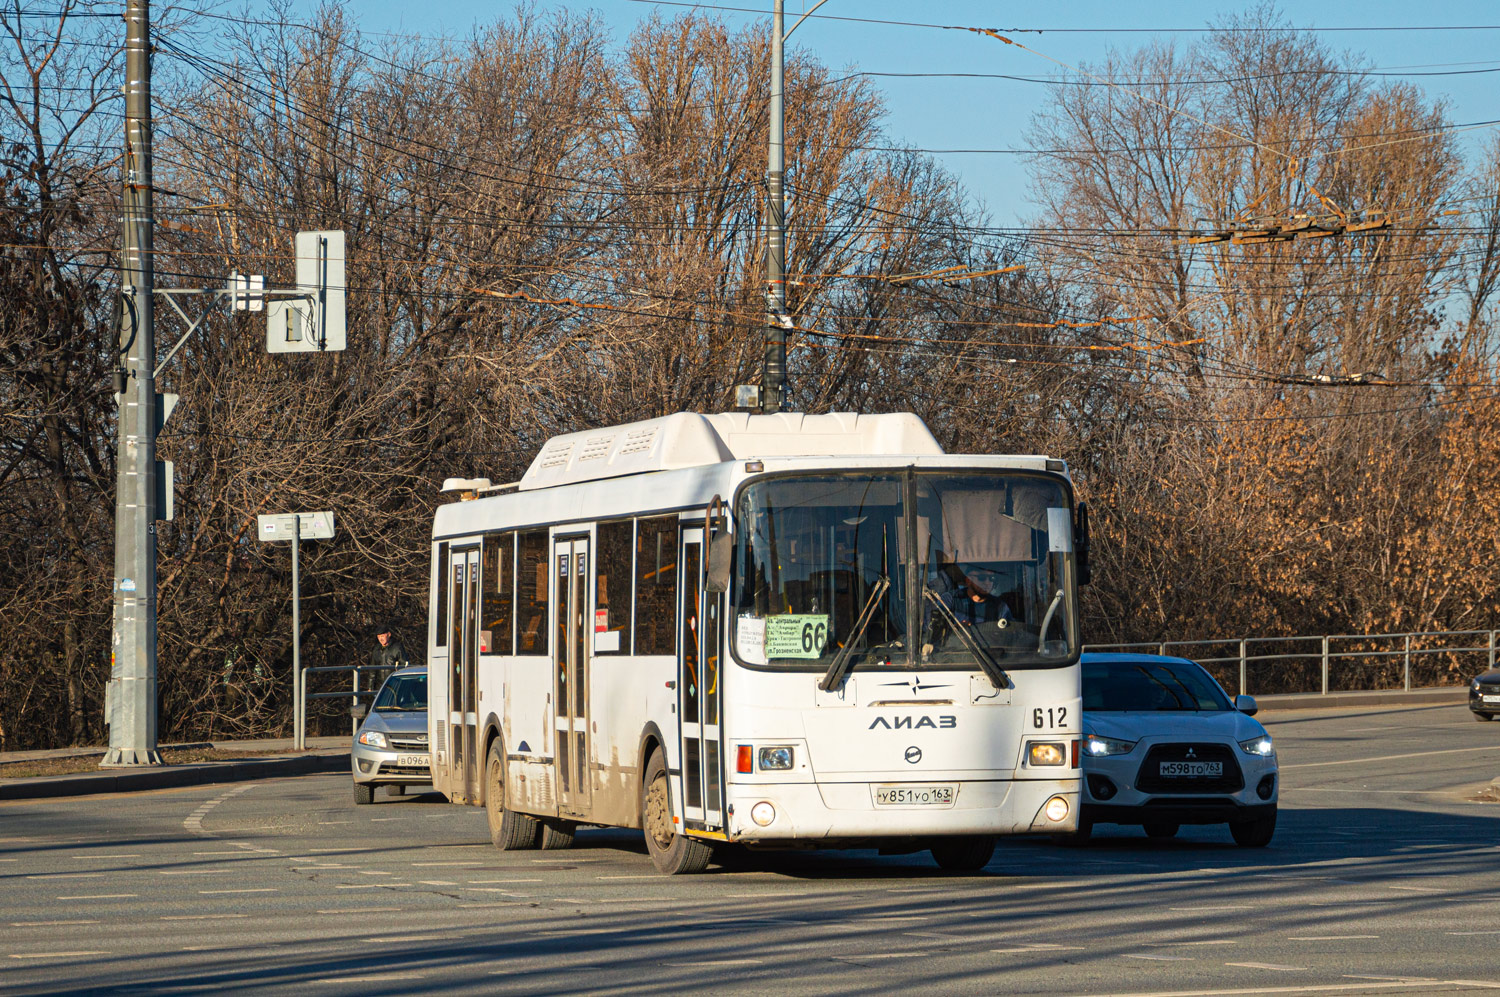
column 1383, row 878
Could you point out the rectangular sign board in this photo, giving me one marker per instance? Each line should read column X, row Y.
column 314, row 525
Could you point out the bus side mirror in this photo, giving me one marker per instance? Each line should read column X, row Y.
column 720, row 548
column 1081, row 545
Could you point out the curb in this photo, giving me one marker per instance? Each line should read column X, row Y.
column 171, row 776
column 1452, row 695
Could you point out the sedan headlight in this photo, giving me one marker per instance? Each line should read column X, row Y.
column 1097, row 746
column 1259, row 746
column 373, row 738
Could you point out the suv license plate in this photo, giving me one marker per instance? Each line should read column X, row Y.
column 1490, row 699
column 914, row 796
column 1192, row 770
column 421, row 761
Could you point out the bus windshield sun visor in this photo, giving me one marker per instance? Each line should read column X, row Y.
column 843, row 661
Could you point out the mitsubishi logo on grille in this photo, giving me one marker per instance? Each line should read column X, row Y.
column 1192, row 753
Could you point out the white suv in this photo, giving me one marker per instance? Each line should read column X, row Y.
column 1165, row 746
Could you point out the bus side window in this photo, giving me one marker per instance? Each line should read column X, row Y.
column 612, row 596
column 656, row 585
column 442, row 594
column 499, row 592
column 531, row 601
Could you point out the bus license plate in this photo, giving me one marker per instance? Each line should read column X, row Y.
column 1192, row 770
column 913, row 796
column 418, row 761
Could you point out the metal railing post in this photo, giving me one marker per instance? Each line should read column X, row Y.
column 1325, row 666
column 354, row 721
column 1243, row 656
column 1161, row 649
column 1492, row 649
column 1408, row 663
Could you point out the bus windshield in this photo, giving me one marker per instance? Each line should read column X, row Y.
column 907, row 568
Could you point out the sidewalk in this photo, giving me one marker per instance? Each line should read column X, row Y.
column 265, row 759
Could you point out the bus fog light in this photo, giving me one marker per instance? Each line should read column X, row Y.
column 776, row 759
column 763, row 813
column 1057, row 808
column 1047, row 753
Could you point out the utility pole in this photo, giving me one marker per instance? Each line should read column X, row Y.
column 132, row 694
column 773, row 382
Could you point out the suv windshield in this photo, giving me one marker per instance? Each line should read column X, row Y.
column 933, row 568
column 1150, row 685
column 402, row 692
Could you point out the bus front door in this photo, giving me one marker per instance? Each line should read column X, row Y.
column 570, row 613
column 463, row 661
column 698, row 692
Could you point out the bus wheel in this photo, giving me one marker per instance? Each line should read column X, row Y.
column 672, row 853
column 508, row 830
column 557, row 834
column 963, row 854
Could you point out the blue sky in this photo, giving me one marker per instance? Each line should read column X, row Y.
column 976, row 113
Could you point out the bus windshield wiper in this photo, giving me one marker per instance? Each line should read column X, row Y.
column 987, row 661
column 843, row 660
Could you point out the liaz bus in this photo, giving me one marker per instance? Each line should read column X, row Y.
column 777, row 630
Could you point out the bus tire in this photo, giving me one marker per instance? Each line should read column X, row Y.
column 671, row 853
column 510, row 831
column 968, row 853
column 557, row 834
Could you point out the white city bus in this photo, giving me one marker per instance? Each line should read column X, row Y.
column 779, row 630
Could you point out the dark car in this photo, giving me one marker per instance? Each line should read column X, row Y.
column 390, row 747
column 1484, row 695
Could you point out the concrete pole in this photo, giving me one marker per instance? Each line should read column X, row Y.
column 299, row 718
column 132, row 703
column 773, row 390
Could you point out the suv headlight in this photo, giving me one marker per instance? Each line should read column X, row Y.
column 1259, row 746
column 1096, row 746
column 373, row 738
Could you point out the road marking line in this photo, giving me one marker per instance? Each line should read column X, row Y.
column 200, row 917
column 122, row 855
column 657, row 876
column 895, row 955
column 247, row 889
column 1415, row 889
column 360, row 910
column 194, row 821
column 55, row 955
column 1309, row 989
column 188, row 872
column 67, row 875
column 382, row 978
column 709, row 963
column 1226, row 907
column 1392, row 758
column 420, row 864
column 43, row 924
column 375, row 872
column 408, row 938
column 1325, row 938
column 478, row 881
column 1157, row 958
column 1471, row 932
column 103, row 896
column 437, row 882
column 1275, row 966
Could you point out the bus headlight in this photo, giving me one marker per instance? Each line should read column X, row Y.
column 763, row 813
column 777, row 759
column 1047, row 753
column 1056, row 809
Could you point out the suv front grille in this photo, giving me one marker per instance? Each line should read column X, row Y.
column 1150, row 780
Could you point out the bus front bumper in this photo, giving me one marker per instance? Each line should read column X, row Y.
column 772, row 813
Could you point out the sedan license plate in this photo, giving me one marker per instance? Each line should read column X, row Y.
column 1490, row 699
column 420, row 761
column 1192, row 770
column 913, row 796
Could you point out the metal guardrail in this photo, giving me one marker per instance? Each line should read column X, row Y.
column 1326, row 650
column 351, row 694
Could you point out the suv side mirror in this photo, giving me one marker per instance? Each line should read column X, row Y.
column 358, row 711
column 1246, row 705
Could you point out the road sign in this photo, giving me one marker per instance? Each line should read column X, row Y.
column 285, row 526
column 313, row 321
